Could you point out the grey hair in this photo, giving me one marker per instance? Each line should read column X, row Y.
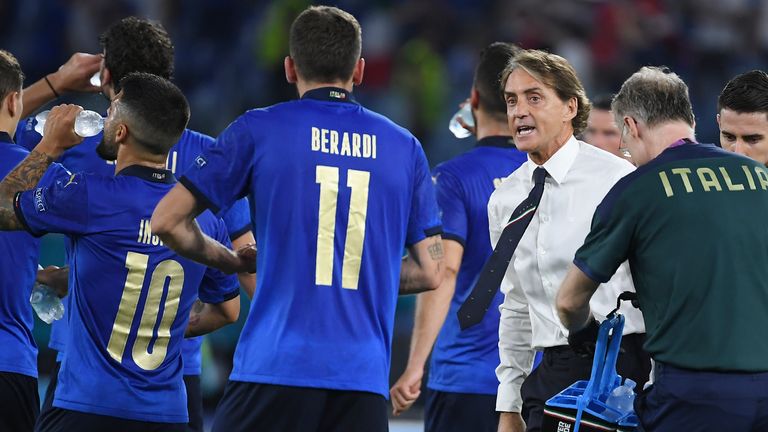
column 653, row 95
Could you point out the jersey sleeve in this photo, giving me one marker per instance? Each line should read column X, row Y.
column 218, row 287
column 221, row 173
column 452, row 204
column 424, row 219
column 59, row 204
column 26, row 136
column 607, row 245
column 237, row 218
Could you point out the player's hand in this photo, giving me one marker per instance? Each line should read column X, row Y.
column 54, row 277
column 511, row 422
column 406, row 390
column 75, row 75
column 59, row 133
column 583, row 341
column 460, row 120
column 247, row 256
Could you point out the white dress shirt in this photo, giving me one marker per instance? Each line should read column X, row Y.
column 580, row 175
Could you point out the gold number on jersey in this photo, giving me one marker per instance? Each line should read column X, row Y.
column 167, row 270
column 357, row 181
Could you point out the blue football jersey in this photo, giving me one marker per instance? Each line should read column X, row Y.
column 19, row 253
column 83, row 159
column 130, row 295
column 465, row 361
column 338, row 191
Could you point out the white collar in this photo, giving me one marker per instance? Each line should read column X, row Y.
column 560, row 163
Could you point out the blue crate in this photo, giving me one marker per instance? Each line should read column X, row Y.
column 581, row 406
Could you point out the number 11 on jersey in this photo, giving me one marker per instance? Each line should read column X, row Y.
column 357, row 181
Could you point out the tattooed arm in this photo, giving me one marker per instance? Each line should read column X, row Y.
column 59, row 136
column 205, row 317
column 422, row 269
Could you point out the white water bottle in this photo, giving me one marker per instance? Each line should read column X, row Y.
column 46, row 303
column 622, row 398
column 456, row 128
column 87, row 124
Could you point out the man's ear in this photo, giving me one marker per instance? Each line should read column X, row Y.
column 474, row 98
column 290, row 70
column 121, row 133
column 14, row 104
column 358, row 72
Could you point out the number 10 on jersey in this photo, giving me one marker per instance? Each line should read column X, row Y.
column 357, row 181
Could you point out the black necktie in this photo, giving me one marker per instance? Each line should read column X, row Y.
column 474, row 308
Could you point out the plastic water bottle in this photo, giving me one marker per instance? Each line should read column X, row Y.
column 622, row 398
column 87, row 124
column 46, row 303
column 456, row 128
column 96, row 79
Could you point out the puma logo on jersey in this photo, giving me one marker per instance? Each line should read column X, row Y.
column 71, row 181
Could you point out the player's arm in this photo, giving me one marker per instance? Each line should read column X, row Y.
column 56, row 278
column 431, row 310
column 206, row 317
column 247, row 280
column 174, row 222
column 573, row 299
column 59, row 136
column 422, row 268
column 74, row 75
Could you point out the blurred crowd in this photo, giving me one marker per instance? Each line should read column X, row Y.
column 419, row 53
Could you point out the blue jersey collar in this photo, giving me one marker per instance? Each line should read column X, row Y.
column 155, row 175
column 497, row 141
column 330, row 94
column 6, row 137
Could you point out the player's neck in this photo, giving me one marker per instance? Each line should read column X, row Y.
column 488, row 125
column 126, row 158
column 305, row 86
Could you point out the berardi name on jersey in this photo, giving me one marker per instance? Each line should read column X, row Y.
column 350, row 144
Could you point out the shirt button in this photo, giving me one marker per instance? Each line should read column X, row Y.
column 545, row 218
column 542, row 252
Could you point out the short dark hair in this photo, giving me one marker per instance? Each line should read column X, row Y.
column 11, row 76
column 745, row 93
column 155, row 110
column 493, row 60
column 654, row 95
column 136, row 45
column 602, row 102
column 555, row 72
column 325, row 43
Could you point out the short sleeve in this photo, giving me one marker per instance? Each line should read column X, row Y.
column 237, row 218
column 607, row 245
column 59, row 204
column 424, row 219
column 217, row 286
column 222, row 172
column 453, row 210
column 26, row 135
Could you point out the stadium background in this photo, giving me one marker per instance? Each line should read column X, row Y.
column 420, row 56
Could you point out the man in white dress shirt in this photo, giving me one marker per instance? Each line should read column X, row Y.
column 546, row 106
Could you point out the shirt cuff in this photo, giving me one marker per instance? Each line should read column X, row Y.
column 508, row 398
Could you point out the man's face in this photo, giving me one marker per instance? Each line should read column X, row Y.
column 602, row 132
column 540, row 122
column 107, row 148
column 744, row 133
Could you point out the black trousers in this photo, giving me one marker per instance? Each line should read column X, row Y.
column 19, row 402
column 250, row 407
column 460, row 412
column 561, row 367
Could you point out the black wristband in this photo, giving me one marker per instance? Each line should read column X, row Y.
column 55, row 93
